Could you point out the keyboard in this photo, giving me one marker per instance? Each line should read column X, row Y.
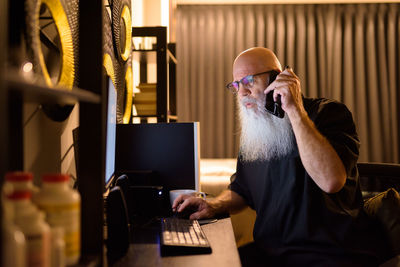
column 182, row 237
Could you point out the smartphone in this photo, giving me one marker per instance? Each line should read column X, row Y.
column 270, row 105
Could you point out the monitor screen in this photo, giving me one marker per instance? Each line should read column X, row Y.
column 110, row 131
column 167, row 152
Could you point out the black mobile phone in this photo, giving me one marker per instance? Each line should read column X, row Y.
column 270, row 105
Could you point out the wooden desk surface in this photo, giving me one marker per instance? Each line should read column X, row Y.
column 145, row 251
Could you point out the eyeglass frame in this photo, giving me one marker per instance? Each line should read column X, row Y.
column 230, row 85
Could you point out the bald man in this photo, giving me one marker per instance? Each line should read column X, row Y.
column 297, row 169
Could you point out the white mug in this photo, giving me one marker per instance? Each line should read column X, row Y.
column 173, row 194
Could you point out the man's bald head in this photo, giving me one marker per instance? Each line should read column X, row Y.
column 255, row 60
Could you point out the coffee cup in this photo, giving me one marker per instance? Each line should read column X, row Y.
column 173, row 194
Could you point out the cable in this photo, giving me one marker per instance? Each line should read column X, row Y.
column 39, row 107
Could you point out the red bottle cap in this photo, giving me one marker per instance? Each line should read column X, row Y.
column 55, row 177
column 18, row 176
column 19, row 195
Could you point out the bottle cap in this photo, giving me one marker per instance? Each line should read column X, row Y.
column 55, row 177
column 16, row 195
column 18, row 176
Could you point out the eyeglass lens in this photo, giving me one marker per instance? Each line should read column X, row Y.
column 246, row 81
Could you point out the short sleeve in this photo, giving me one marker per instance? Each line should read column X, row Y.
column 238, row 185
column 335, row 122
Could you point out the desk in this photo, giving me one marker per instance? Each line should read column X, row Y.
column 145, row 249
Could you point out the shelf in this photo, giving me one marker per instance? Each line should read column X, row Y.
column 165, row 62
column 37, row 92
column 169, row 53
column 172, row 57
column 150, row 56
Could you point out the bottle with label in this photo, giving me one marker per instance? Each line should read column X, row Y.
column 32, row 224
column 13, row 240
column 62, row 206
column 37, row 234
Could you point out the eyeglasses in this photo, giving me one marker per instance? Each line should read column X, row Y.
column 247, row 82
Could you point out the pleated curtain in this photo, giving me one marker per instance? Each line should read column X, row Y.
column 348, row 52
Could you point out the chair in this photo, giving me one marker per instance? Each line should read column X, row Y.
column 378, row 177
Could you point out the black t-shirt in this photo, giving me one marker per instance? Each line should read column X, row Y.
column 294, row 216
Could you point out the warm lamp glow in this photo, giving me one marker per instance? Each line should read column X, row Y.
column 27, row 67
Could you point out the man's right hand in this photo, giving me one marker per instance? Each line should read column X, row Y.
column 201, row 209
column 227, row 202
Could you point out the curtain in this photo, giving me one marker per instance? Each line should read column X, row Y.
column 347, row 52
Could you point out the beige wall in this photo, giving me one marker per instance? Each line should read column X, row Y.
column 47, row 143
column 152, row 13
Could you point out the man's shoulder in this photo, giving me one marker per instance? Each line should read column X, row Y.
column 315, row 106
column 321, row 101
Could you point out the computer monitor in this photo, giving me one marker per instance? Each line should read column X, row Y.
column 111, row 116
column 166, row 154
column 116, row 213
column 110, row 132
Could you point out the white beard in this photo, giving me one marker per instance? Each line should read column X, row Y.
column 263, row 135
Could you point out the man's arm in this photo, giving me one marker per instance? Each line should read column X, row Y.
column 318, row 156
column 226, row 202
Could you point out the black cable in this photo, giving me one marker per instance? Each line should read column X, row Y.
column 39, row 107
